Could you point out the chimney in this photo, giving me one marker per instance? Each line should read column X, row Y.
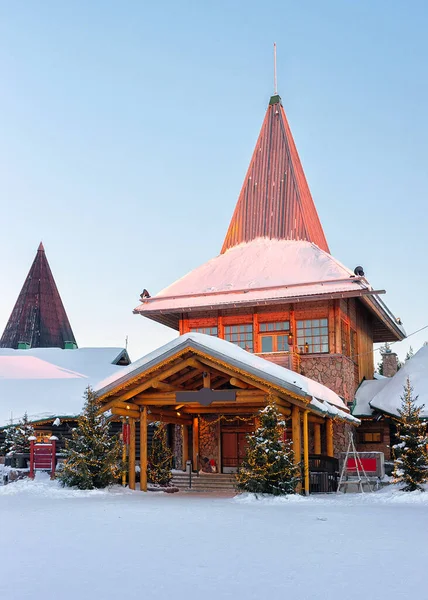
column 389, row 363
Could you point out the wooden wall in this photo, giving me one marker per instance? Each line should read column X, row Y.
column 344, row 316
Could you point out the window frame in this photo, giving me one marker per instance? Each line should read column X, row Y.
column 228, row 334
column 307, row 338
column 362, row 436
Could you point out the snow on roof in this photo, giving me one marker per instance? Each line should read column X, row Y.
column 240, row 358
column 50, row 382
column 365, row 394
column 388, row 399
column 258, row 270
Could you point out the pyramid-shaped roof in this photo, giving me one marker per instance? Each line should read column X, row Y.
column 38, row 317
column 275, row 201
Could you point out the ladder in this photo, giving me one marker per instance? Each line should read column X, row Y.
column 361, row 476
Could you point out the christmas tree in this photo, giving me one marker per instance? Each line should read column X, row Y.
column 268, row 467
column 17, row 437
column 411, row 458
column 159, row 462
column 92, row 455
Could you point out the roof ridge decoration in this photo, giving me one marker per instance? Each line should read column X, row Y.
column 275, row 201
column 38, row 317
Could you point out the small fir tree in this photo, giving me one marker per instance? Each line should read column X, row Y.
column 411, row 457
column 268, row 467
column 159, row 461
column 409, row 354
column 17, row 437
column 92, row 455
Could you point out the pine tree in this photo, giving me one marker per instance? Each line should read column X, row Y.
column 17, row 437
column 411, row 457
column 268, row 467
column 92, row 455
column 159, row 461
column 409, row 354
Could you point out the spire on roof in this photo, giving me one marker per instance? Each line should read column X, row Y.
column 275, row 201
column 38, row 318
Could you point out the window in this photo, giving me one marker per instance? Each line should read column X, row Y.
column 344, row 328
column 207, row 330
column 241, row 335
column 312, row 335
column 370, row 437
column 274, row 336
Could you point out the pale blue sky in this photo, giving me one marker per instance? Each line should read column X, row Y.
column 127, row 128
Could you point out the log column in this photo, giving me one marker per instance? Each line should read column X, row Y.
column 143, row 449
column 195, row 457
column 306, row 452
column 131, row 474
column 297, row 440
column 329, row 437
column 317, row 438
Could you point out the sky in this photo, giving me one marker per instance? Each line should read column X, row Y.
column 127, row 127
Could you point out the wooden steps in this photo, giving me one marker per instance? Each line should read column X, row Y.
column 205, row 482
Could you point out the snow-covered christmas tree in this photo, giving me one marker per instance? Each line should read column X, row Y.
column 159, row 462
column 411, row 457
column 17, row 437
column 268, row 467
column 92, row 455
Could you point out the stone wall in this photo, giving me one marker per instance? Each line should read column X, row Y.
column 209, row 437
column 332, row 370
column 177, row 446
column 341, row 436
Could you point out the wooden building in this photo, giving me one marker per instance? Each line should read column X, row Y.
column 277, row 293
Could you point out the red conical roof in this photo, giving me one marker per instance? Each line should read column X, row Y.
column 275, row 201
column 39, row 316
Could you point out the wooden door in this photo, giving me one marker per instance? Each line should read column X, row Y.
column 233, row 448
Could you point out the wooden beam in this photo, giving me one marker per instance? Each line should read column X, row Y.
column 317, row 438
column 168, row 398
column 219, row 383
column 131, row 474
column 183, row 378
column 120, row 412
column 261, row 386
column 238, row 383
column 306, row 452
column 165, row 387
column 195, row 436
column 118, row 404
column 315, row 419
column 143, row 449
column 154, row 379
column 207, row 379
column 234, row 410
column 329, row 437
column 185, row 433
column 169, row 418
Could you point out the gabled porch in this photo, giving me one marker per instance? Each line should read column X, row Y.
column 212, row 390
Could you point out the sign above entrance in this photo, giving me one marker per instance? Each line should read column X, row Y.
column 205, row 396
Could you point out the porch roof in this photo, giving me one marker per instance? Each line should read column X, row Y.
column 318, row 397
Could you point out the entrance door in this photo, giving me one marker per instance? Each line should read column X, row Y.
column 233, row 449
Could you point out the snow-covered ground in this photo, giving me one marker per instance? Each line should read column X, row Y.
column 61, row 543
